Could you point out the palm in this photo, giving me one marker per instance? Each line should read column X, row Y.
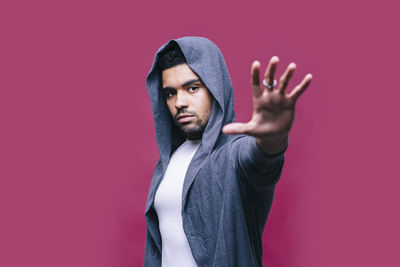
column 273, row 109
column 272, row 114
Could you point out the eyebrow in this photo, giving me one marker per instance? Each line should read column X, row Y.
column 183, row 85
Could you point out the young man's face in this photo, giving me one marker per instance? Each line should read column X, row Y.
column 188, row 100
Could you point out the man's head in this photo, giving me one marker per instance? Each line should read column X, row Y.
column 188, row 99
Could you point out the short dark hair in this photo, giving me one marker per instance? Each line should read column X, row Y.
column 171, row 56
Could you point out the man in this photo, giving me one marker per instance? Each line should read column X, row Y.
column 213, row 186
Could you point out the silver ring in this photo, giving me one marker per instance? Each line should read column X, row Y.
column 269, row 86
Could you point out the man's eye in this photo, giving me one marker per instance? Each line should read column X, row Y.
column 193, row 88
column 169, row 94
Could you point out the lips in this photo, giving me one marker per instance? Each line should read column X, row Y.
column 181, row 118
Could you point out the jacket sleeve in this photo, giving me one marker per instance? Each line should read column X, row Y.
column 152, row 255
column 261, row 171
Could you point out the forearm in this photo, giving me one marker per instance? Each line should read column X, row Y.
column 259, row 169
column 273, row 145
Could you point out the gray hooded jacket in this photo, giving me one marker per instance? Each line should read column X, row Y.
column 229, row 185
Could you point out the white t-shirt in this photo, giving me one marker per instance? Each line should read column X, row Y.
column 168, row 205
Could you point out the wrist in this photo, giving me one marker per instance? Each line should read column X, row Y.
column 273, row 145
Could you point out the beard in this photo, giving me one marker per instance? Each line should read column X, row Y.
column 192, row 130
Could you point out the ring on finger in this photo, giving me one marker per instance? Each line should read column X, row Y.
column 269, row 86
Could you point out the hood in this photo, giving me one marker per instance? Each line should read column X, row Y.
column 206, row 60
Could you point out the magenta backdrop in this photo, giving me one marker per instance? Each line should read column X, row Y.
column 77, row 143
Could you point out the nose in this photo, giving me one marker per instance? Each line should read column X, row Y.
column 180, row 100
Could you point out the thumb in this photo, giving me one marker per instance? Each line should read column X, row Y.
column 235, row 128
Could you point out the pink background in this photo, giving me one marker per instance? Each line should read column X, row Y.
column 77, row 143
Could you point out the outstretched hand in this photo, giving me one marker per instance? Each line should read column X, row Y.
column 273, row 108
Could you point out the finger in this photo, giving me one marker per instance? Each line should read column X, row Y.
column 236, row 128
column 255, row 79
column 299, row 89
column 284, row 81
column 271, row 69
